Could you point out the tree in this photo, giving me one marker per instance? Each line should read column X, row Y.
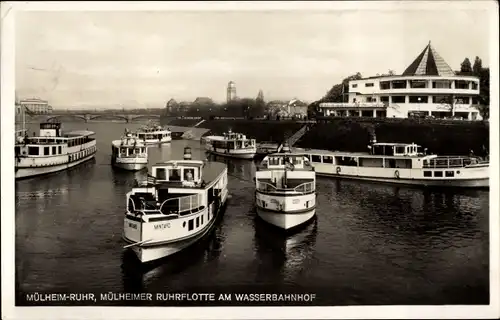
column 465, row 66
column 338, row 91
column 478, row 66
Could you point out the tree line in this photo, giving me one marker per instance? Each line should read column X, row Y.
column 246, row 107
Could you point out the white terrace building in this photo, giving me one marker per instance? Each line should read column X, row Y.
column 425, row 88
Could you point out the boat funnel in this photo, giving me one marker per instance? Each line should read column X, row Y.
column 187, row 153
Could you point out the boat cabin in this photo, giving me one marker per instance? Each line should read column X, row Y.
column 184, row 173
column 396, row 149
column 128, row 146
column 286, row 160
column 50, row 129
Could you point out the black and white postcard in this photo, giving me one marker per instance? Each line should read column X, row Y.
column 250, row 159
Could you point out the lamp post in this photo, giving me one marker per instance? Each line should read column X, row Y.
column 419, row 99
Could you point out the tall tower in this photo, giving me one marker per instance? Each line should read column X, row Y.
column 260, row 96
column 231, row 91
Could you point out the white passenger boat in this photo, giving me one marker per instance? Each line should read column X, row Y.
column 402, row 163
column 129, row 153
column 153, row 134
column 285, row 189
column 231, row 144
column 52, row 150
column 175, row 207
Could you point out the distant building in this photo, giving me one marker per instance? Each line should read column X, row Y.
column 35, row 105
column 231, row 91
column 428, row 87
column 203, row 101
column 260, row 95
column 287, row 109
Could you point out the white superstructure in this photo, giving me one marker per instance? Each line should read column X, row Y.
column 401, row 163
column 152, row 134
column 427, row 88
column 231, row 144
column 52, row 150
column 129, row 153
column 285, row 189
column 176, row 206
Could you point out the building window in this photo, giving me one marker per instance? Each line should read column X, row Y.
column 370, row 84
column 384, row 99
column 439, row 99
column 462, row 100
column 399, row 84
column 385, row 85
column 442, row 84
column 475, row 100
column 354, row 85
column 398, row 99
column 418, row 99
column 474, row 85
column 418, row 84
column 461, row 84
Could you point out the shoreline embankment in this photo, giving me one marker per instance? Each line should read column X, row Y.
column 351, row 134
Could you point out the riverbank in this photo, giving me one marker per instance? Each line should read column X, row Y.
column 351, row 134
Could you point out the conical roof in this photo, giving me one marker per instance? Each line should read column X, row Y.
column 429, row 63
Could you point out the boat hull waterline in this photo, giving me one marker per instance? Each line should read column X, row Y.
column 285, row 220
column 24, row 173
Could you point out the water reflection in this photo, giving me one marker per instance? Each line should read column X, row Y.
column 283, row 257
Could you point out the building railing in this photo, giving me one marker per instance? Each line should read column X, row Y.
column 305, row 187
column 449, row 162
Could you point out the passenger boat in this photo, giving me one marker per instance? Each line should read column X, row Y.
column 52, row 150
column 266, row 147
column 401, row 163
column 231, row 144
column 153, row 134
column 285, row 189
column 174, row 207
column 129, row 153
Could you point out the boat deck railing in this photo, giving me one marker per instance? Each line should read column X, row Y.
column 173, row 206
column 450, row 162
column 302, row 188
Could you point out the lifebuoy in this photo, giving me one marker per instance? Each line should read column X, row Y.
column 338, row 170
column 396, row 174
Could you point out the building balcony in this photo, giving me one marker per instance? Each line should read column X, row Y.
column 358, row 105
column 406, row 91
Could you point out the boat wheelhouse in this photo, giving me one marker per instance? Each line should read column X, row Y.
column 152, row 134
column 129, row 153
column 402, row 163
column 174, row 207
column 231, row 144
column 285, row 189
column 52, row 150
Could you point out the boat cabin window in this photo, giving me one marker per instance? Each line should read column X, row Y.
column 399, row 150
column 17, row 150
column 60, row 149
column 315, row 158
column 33, row 151
column 46, row 151
column 123, row 152
column 188, row 174
column 161, row 174
column 274, row 161
column 54, row 150
column 296, row 160
column 327, row 159
column 174, row 175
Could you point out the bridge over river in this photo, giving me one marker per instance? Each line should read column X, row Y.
column 89, row 117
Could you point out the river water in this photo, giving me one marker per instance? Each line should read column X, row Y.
column 371, row 244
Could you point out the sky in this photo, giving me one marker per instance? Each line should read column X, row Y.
column 134, row 59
